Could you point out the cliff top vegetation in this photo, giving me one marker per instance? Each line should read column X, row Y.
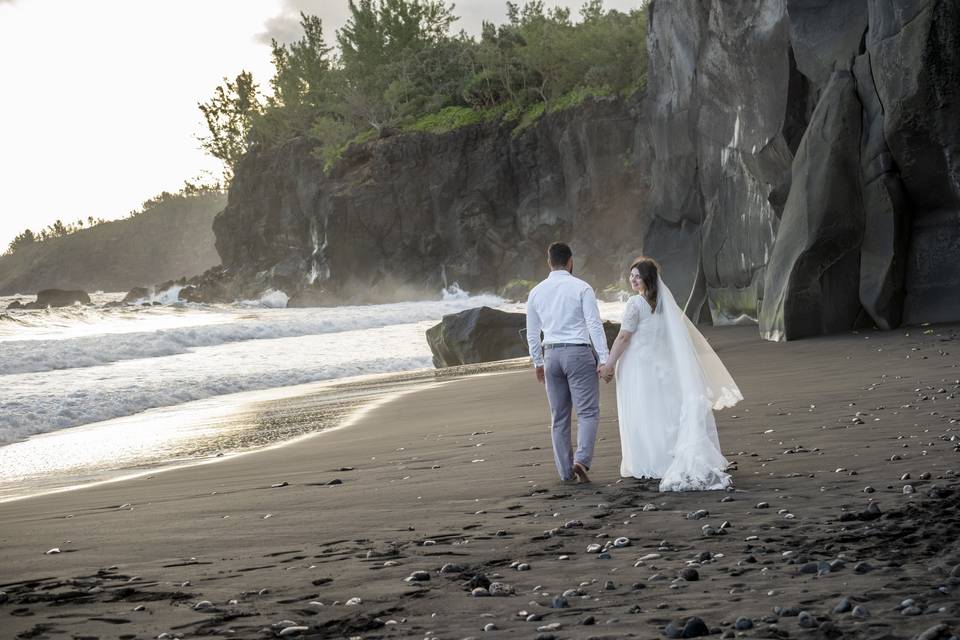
column 396, row 64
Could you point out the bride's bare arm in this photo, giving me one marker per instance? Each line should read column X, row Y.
column 619, row 346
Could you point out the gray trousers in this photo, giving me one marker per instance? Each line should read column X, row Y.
column 572, row 382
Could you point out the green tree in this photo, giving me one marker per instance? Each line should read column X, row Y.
column 229, row 115
column 301, row 84
column 21, row 240
column 395, row 59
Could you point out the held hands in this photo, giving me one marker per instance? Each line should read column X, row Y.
column 606, row 372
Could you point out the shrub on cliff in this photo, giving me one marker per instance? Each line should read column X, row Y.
column 397, row 65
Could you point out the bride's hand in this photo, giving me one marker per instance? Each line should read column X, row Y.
column 606, row 372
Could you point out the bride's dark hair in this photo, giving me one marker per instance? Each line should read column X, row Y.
column 649, row 271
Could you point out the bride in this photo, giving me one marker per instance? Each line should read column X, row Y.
column 669, row 381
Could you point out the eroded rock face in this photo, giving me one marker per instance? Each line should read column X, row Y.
column 914, row 51
column 813, row 276
column 736, row 209
column 411, row 213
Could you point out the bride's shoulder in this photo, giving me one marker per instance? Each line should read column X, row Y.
column 637, row 300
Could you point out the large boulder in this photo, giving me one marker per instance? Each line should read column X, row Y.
column 477, row 335
column 58, row 298
column 486, row 335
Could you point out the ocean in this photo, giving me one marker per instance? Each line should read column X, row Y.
column 87, row 391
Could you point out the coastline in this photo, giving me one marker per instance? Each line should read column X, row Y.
column 461, row 474
column 324, row 398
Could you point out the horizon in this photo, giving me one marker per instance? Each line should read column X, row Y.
column 110, row 139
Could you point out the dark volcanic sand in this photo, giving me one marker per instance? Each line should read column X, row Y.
column 462, row 474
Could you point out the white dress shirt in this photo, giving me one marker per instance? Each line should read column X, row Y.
column 565, row 308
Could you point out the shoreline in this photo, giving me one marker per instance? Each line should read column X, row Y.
column 370, row 391
column 457, row 481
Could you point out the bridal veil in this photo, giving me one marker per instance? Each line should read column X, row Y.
column 703, row 384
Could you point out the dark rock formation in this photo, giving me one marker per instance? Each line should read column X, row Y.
column 171, row 240
column 486, row 335
column 135, row 294
column 812, row 279
column 56, row 298
column 767, row 231
column 477, row 335
column 411, row 213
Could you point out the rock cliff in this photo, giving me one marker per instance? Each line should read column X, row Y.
column 793, row 163
column 806, row 171
column 413, row 212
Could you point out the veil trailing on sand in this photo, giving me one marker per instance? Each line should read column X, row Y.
column 704, row 384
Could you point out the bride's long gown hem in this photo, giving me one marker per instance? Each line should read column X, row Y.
column 668, row 382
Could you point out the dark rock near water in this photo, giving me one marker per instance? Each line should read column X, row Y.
column 57, row 298
column 477, row 335
column 135, row 294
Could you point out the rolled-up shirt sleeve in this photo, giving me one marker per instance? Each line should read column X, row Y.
column 533, row 334
column 591, row 313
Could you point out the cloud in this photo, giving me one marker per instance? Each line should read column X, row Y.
column 285, row 26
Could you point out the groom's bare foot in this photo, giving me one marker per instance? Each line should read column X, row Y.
column 580, row 472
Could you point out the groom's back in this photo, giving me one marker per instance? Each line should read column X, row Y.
column 558, row 302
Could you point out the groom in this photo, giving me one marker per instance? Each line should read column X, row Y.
column 565, row 309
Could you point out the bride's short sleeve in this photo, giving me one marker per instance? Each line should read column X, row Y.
column 631, row 315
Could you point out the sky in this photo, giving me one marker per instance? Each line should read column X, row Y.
column 98, row 98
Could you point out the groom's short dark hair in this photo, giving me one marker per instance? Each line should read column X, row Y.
column 559, row 254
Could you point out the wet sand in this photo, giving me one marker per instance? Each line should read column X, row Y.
column 385, row 528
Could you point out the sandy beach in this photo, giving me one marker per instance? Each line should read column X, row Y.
column 386, row 527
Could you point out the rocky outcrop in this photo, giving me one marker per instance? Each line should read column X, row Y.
column 411, row 213
column 820, row 141
column 477, row 335
column 171, row 240
column 53, row 298
column 61, row 298
column 135, row 295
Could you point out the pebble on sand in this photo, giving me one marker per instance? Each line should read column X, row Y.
column 293, row 631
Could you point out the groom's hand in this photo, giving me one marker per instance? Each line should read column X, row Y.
column 540, row 377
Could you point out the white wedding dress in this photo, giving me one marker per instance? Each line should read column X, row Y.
column 669, row 381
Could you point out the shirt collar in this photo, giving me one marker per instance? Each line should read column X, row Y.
column 559, row 273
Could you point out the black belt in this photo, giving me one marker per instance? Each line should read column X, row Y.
column 559, row 345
